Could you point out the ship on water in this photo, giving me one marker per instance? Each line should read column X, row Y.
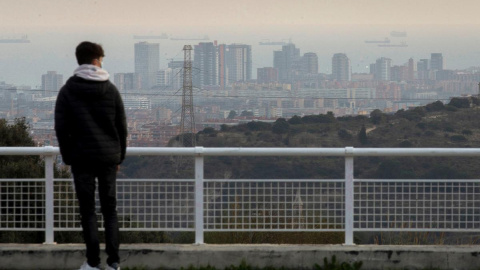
column 403, row 44
column 398, row 34
column 272, row 43
column 386, row 40
column 268, row 42
column 23, row 39
column 190, row 38
column 162, row 36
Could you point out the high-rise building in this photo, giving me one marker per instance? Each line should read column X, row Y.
column 284, row 61
column 310, row 63
column 164, row 77
column 51, row 83
column 341, row 68
column 267, row 75
column 399, row 73
column 436, row 61
column 176, row 64
column 126, row 82
column 147, row 63
column 412, row 69
column 238, row 63
column 423, row 67
column 383, row 69
column 205, row 64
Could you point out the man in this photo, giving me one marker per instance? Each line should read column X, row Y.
column 91, row 129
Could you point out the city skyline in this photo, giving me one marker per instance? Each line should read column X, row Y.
column 323, row 27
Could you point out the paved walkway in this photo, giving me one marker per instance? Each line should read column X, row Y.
column 172, row 256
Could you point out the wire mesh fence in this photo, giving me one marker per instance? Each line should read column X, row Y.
column 417, row 204
column 22, row 204
column 274, row 205
column 263, row 205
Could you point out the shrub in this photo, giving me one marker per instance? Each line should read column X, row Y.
column 405, row 144
column 458, row 138
column 459, row 103
column 344, row 134
column 295, row 120
column 429, row 133
column 449, row 129
column 435, row 106
column 451, row 108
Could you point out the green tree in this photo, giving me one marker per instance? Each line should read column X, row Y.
column 280, row 126
column 362, row 135
column 377, row 117
column 246, row 113
column 17, row 135
column 232, row 114
column 295, row 120
column 435, row 106
column 459, row 103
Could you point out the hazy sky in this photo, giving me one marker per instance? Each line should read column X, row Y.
column 325, row 27
column 27, row 14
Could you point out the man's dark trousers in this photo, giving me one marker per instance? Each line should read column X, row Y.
column 84, row 178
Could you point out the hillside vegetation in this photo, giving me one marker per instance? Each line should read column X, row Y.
column 435, row 125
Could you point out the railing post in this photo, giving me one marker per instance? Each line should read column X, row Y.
column 349, row 196
column 199, row 195
column 49, row 156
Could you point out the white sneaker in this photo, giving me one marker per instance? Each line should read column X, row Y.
column 114, row 266
column 85, row 266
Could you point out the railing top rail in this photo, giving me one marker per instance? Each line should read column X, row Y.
column 251, row 151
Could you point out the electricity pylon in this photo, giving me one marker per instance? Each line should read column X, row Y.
column 187, row 126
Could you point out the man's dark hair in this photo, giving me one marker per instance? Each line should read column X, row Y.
column 87, row 51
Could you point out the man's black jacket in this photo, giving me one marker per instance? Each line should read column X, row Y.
column 90, row 122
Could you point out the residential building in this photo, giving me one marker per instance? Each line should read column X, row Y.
column 238, row 63
column 127, row 82
column 147, row 63
column 310, row 63
column 399, row 73
column 423, row 67
column 412, row 69
column 284, row 61
column 267, row 75
column 164, row 77
column 436, row 61
column 51, row 83
column 341, row 68
column 205, row 64
column 136, row 103
column 383, row 69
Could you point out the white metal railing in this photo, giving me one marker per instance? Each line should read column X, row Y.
column 202, row 205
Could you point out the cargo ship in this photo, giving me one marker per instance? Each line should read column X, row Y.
column 403, row 44
column 190, row 38
column 398, row 34
column 386, row 40
column 23, row 39
column 162, row 36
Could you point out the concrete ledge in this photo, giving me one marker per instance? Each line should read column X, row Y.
column 170, row 256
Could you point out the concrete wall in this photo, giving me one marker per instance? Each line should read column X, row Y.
column 167, row 256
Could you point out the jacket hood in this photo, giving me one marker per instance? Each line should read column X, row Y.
column 92, row 73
